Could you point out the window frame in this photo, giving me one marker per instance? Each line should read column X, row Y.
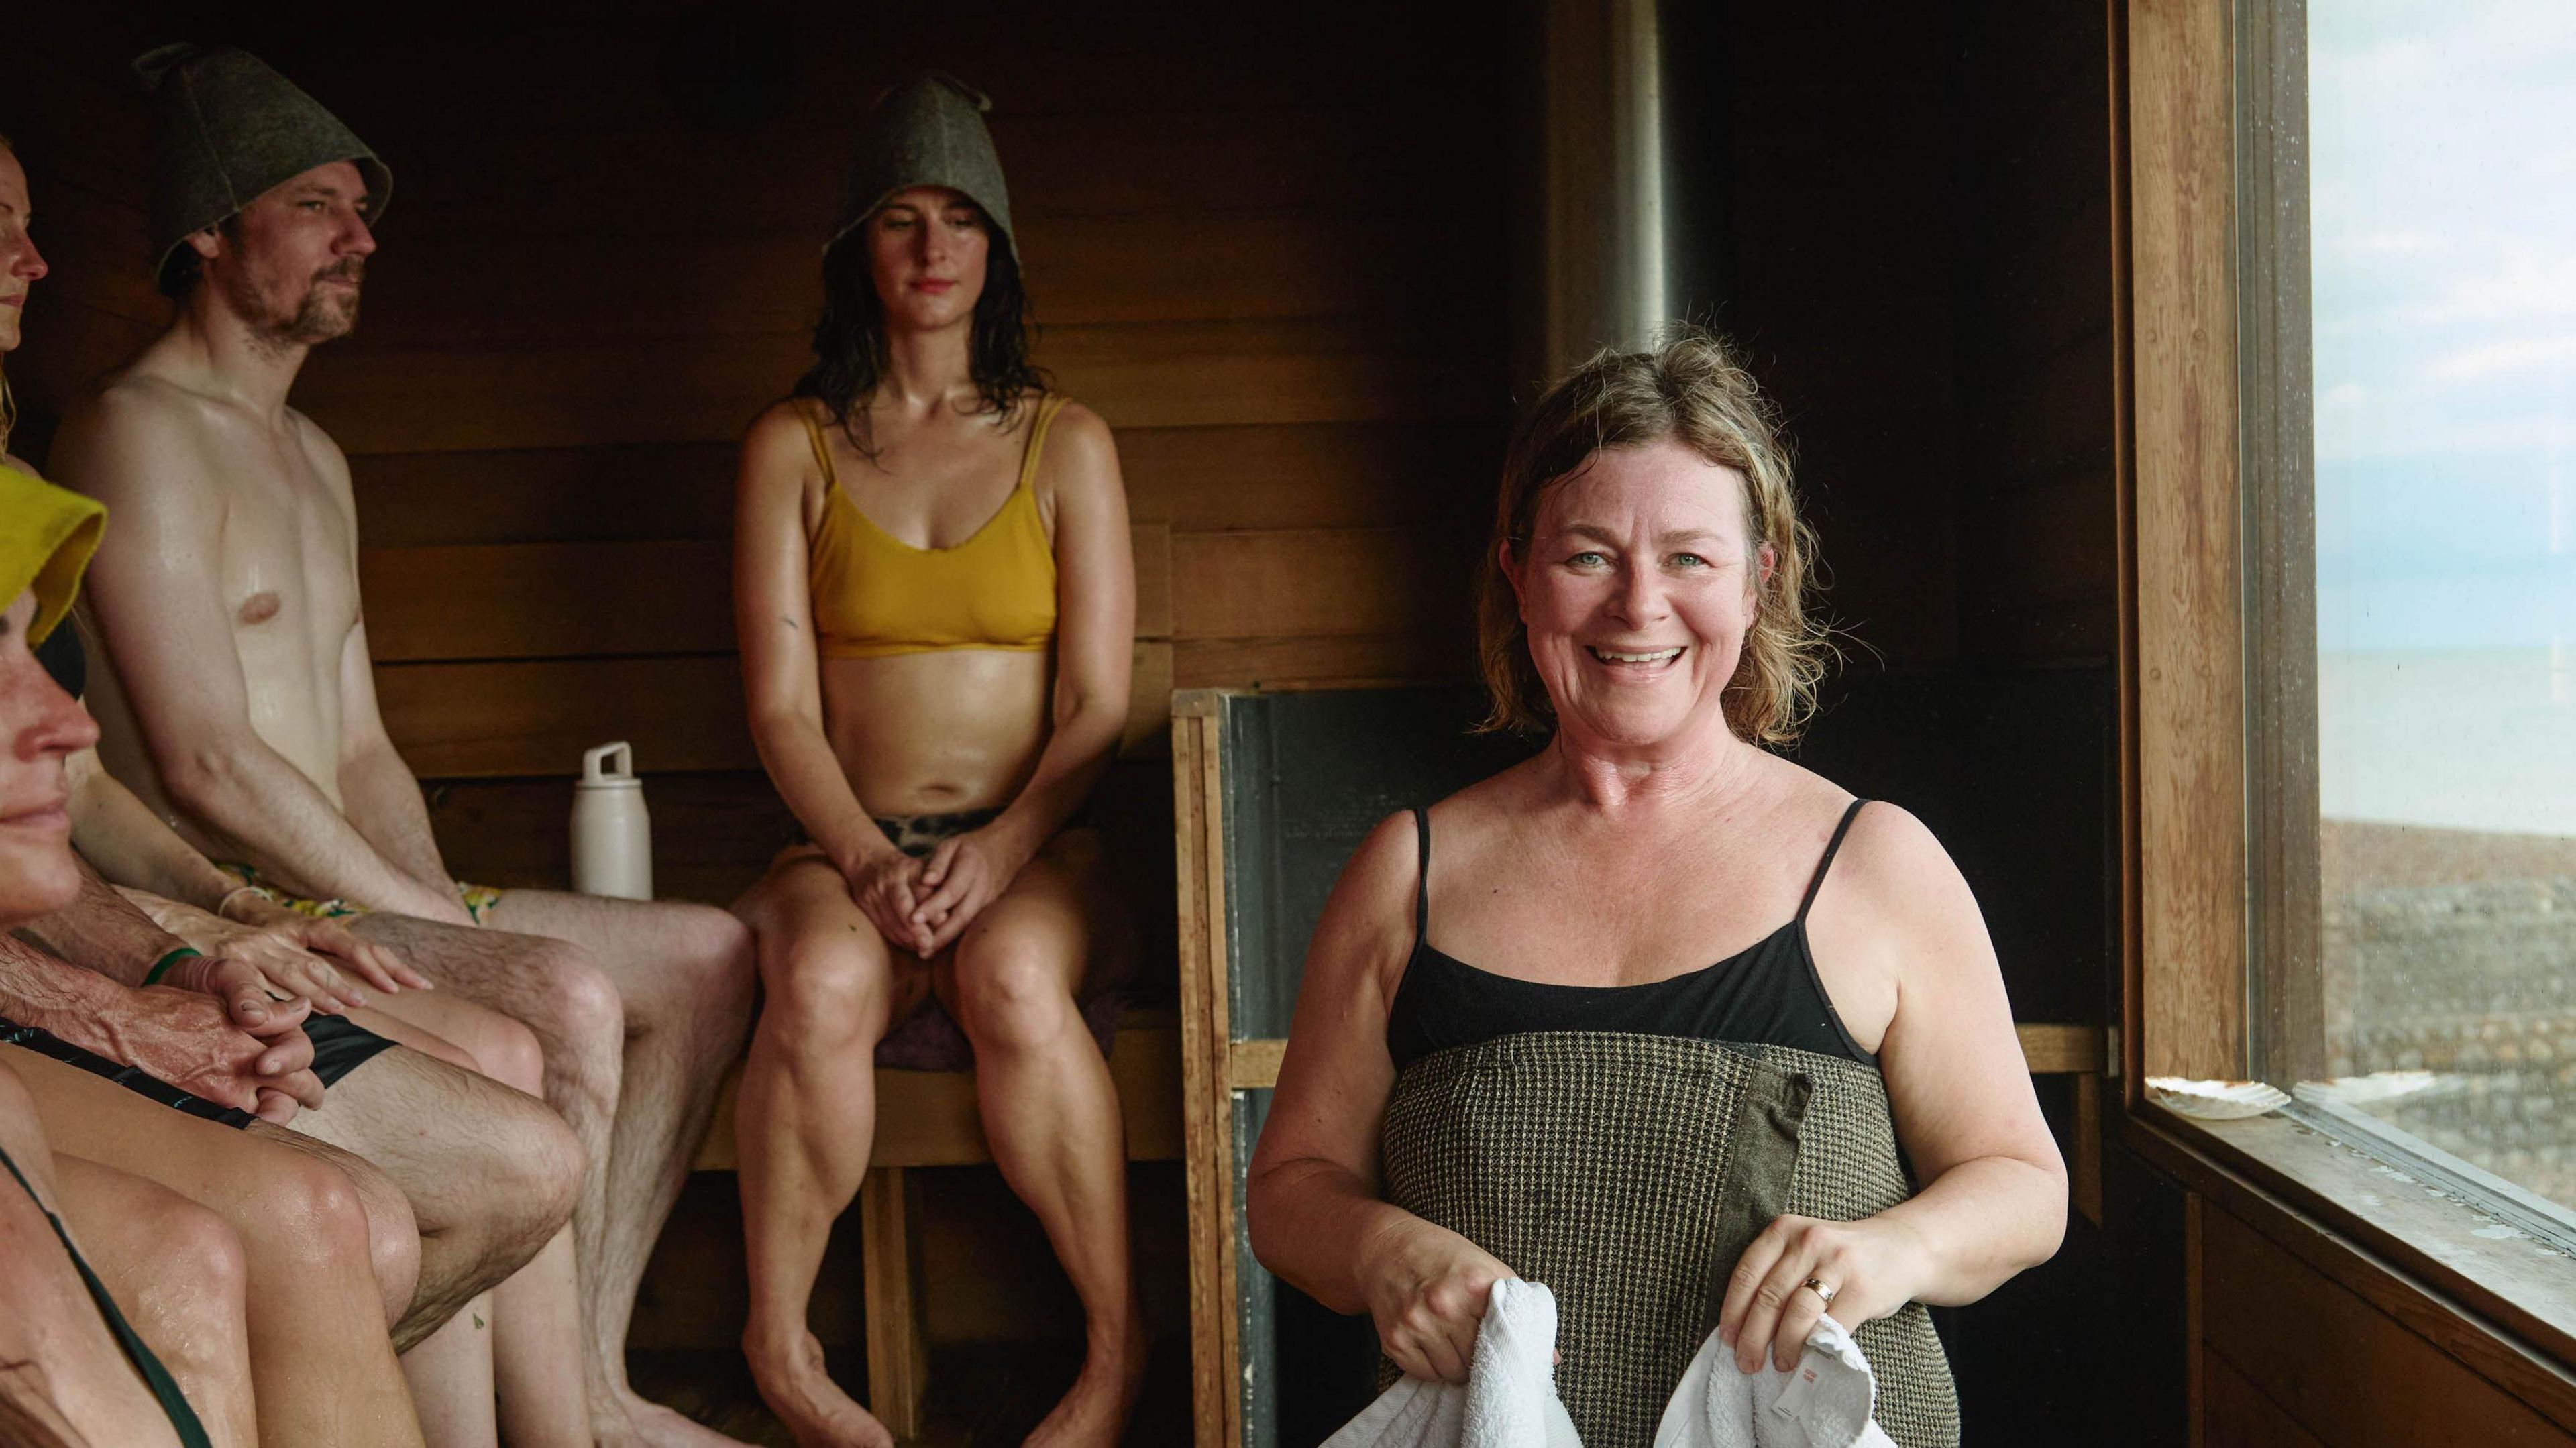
column 2218, row 756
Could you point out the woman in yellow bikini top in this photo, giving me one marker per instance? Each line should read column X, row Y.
column 876, row 595
column 936, row 609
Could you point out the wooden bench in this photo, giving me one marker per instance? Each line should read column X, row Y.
column 926, row 1119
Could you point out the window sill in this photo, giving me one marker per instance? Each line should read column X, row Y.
column 2498, row 1301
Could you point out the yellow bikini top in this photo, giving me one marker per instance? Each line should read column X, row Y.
column 876, row 595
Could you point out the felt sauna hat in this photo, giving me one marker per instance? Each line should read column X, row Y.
column 226, row 129
column 46, row 537
column 928, row 132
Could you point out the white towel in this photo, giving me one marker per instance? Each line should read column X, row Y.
column 1510, row 1398
column 1824, row 1402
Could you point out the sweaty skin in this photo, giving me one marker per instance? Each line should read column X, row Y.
column 1002, row 921
column 238, row 702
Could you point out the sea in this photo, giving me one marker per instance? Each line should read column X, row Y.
column 2471, row 739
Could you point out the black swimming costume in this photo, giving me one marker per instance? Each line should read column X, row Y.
column 1768, row 993
column 338, row 1049
column 183, row 1419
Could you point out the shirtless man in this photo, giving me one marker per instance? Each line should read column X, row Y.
column 476, row 1177
column 241, row 703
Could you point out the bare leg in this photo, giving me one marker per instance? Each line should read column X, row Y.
column 322, row 1367
column 488, row 1171
column 524, row 1336
column 63, row 1381
column 1051, row 1111
column 804, row 1123
column 177, row 1271
column 685, row 976
column 570, row 1007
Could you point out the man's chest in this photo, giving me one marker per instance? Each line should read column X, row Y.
column 288, row 563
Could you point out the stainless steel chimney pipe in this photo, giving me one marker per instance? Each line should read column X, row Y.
column 1596, row 274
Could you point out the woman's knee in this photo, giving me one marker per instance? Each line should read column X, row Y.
column 193, row 1280
column 827, row 992
column 496, row 1046
column 315, row 1215
column 1012, row 991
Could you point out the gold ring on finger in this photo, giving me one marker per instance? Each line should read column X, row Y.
column 1824, row 1291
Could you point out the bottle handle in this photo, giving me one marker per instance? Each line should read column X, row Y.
column 594, row 761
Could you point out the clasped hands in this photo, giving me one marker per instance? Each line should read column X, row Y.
column 924, row 905
column 228, row 1025
column 1428, row 1288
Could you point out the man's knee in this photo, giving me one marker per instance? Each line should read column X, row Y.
column 1011, row 993
column 537, row 1172
column 710, row 952
column 580, row 1003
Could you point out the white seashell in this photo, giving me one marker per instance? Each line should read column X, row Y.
column 2215, row 1100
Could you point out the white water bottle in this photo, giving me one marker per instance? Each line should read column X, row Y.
column 612, row 836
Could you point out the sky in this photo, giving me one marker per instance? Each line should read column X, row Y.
column 2443, row 252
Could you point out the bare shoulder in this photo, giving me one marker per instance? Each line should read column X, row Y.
column 322, row 450
column 1079, row 449
column 778, row 447
column 1891, row 861
column 116, row 440
column 1367, row 925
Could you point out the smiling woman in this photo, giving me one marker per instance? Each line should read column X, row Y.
column 1835, row 1114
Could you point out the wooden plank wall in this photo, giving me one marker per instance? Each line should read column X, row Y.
column 1265, row 246
column 1264, row 242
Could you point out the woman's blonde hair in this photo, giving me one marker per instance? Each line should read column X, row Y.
column 1691, row 390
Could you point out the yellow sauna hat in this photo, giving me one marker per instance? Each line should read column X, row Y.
column 46, row 537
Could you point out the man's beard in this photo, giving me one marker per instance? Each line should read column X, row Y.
column 320, row 315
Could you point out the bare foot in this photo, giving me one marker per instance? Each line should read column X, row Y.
column 817, row 1413
column 1095, row 1413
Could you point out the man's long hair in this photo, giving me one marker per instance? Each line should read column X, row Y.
column 850, row 340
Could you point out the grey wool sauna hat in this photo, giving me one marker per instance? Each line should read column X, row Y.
column 225, row 129
column 928, row 132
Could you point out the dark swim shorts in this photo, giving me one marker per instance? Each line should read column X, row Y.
column 338, row 1049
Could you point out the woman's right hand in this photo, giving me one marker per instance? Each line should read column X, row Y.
column 1427, row 1292
column 886, row 887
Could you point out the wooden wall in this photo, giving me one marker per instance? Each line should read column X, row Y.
column 1264, row 242
column 1265, row 246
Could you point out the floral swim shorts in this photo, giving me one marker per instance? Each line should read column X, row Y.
column 478, row 899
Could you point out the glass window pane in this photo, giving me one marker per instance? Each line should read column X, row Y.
column 2442, row 138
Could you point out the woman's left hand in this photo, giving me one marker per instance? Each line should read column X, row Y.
column 1868, row 1267
column 964, row 874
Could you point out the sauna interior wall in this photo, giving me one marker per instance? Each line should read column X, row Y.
column 1911, row 234
column 1264, row 242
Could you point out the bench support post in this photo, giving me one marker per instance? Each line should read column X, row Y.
column 898, row 1337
